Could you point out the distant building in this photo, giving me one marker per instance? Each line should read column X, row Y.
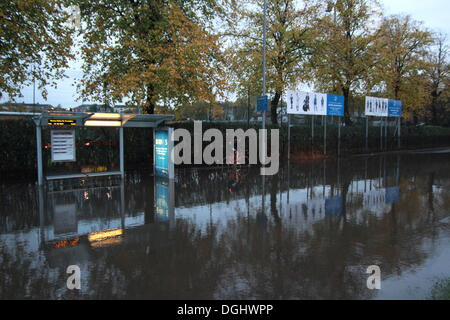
column 102, row 108
column 93, row 108
column 26, row 107
column 119, row 108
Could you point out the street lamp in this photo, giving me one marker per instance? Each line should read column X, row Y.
column 331, row 6
column 264, row 59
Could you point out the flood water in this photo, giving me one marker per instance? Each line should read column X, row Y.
column 309, row 232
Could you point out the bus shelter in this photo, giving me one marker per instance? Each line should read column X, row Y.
column 63, row 124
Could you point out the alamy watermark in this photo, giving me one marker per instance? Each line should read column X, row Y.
column 374, row 280
column 74, row 280
column 235, row 148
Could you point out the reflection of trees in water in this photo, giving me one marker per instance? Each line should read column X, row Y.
column 254, row 254
column 26, row 276
column 155, row 263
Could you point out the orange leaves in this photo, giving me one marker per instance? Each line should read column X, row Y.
column 159, row 54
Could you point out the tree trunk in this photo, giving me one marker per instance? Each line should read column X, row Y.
column 274, row 107
column 434, row 119
column 346, row 93
column 149, row 106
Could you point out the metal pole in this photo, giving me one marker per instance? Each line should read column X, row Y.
column 312, row 128
column 248, row 108
column 324, row 135
column 263, row 147
column 386, row 134
column 367, row 133
column 399, row 132
column 34, row 88
column 122, row 204
column 289, row 136
column 264, row 59
column 122, row 162
column 381, row 133
column 39, row 154
column 339, row 136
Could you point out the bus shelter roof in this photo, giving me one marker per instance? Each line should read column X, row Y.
column 93, row 119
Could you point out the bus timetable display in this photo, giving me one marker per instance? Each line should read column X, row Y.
column 63, row 145
column 61, row 122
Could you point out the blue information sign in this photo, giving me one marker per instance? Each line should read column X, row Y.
column 335, row 105
column 262, row 103
column 162, row 153
column 395, row 108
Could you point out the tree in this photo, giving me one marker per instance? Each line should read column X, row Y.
column 403, row 47
column 288, row 38
column 35, row 44
column 438, row 74
column 150, row 52
column 345, row 51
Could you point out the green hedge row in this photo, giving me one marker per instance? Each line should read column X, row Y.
column 98, row 146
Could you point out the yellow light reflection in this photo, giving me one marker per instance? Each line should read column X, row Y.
column 105, row 116
column 103, row 235
column 99, row 123
column 107, row 242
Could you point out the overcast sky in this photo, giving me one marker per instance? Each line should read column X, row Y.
column 434, row 14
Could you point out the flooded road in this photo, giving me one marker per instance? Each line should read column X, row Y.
column 309, row 232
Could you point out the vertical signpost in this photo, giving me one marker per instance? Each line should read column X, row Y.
column 162, row 153
column 395, row 111
column 367, row 133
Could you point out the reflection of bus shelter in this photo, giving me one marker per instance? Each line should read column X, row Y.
column 67, row 120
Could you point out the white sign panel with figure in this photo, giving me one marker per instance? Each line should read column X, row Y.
column 377, row 107
column 313, row 103
column 307, row 103
column 63, row 146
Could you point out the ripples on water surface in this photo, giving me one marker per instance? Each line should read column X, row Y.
column 308, row 233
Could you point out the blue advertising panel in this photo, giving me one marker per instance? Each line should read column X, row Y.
column 395, row 108
column 392, row 195
column 161, row 150
column 335, row 105
column 334, row 206
column 262, row 103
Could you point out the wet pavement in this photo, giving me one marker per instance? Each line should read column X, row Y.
column 309, row 232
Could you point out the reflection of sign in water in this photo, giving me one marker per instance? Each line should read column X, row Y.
column 392, row 195
column 313, row 103
column 65, row 219
column 164, row 199
column 374, row 198
column 334, row 206
column 310, row 208
column 380, row 197
column 63, row 146
column 162, row 149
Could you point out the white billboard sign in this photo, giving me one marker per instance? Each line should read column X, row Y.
column 63, row 146
column 313, row 103
column 307, row 103
column 377, row 107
